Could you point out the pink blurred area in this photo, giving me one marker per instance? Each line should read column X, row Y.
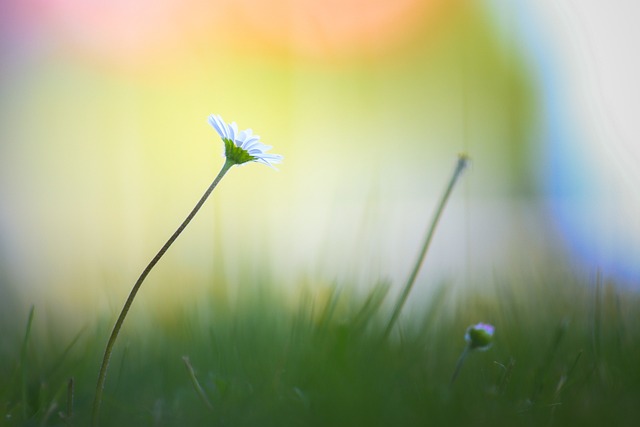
column 113, row 31
column 121, row 32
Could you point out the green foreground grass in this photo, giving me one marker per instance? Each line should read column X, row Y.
column 564, row 353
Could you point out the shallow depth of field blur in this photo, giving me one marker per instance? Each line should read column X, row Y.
column 279, row 288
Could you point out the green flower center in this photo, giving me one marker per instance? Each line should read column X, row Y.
column 479, row 338
column 236, row 154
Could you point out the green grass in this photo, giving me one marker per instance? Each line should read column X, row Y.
column 565, row 353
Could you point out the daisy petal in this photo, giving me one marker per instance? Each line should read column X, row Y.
column 218, row 125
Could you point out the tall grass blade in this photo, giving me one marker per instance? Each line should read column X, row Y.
column 23, row 364
column 370, row 307
column 196, row 384
column 546, row 365
column 597, row 317
column 69, row 413
column 463, row 161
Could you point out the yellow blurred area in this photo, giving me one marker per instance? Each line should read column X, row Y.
column 103, row 156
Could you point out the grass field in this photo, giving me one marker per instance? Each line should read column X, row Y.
column 565, row 353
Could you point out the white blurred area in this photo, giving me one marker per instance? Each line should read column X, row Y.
column 591, row 170
column 90, row 192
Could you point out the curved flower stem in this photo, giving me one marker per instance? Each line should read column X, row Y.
column 463, row 161
column 125, row 309
column 461, row 360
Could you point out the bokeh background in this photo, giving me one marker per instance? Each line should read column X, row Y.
column 105, row 145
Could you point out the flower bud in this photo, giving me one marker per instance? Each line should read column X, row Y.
column 479, row 336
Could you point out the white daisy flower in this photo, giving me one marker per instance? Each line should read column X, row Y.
column 243, row 146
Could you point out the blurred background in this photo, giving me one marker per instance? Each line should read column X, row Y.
column 105, row 145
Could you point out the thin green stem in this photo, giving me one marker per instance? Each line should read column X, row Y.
column 462, row 163
column 125, row 309
column 460, row 362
